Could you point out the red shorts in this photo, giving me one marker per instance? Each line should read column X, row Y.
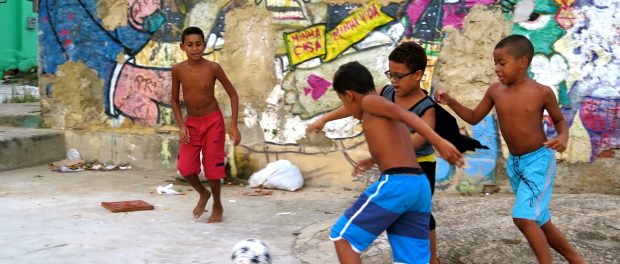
column 206, row 133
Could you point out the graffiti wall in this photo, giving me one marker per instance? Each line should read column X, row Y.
column 282, row 54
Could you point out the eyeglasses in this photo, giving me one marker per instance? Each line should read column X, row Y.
column 396, row 77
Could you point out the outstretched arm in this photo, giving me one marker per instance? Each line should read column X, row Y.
column 336, row 114
column 559, row 122
column 176, row 107
column 470, row 116
column 233, row 131
column 378, row 106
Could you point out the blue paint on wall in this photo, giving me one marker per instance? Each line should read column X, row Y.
column 482, row 163
column 73, row 32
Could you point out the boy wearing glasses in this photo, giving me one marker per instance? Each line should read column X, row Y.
column 400, row 202
column 407, row 63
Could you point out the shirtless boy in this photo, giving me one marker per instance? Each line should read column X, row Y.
column 204, row 128
column 400, row 202
column 519, row 104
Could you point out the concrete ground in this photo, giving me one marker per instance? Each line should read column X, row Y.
column 50, row 217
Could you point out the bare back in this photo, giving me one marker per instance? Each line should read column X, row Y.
column 519, row 111
column 198, row 83
column 388, row 142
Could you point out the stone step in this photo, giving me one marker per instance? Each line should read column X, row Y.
column 25, row 147
column 20, row 115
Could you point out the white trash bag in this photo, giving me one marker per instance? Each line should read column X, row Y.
column 281, row 174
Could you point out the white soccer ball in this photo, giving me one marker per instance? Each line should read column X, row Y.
column 251, row 251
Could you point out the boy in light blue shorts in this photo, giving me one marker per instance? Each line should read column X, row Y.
column 531, row 176
column 519, row 105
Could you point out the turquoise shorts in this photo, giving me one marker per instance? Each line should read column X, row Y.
column 399, row 203
column 531, row 176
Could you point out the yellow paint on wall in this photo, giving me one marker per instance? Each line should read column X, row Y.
column 565, row 2
column 165, row 154
column 160, row 54
column 579, row 147
column 305, row 44
column 354, row 28
column 113, row 13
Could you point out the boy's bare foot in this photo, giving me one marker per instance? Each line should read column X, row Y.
column 216, row 215
column 202, row 203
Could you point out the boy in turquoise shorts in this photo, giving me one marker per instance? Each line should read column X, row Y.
column 519, row 104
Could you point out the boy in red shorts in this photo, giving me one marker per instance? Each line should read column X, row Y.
column 203, row 130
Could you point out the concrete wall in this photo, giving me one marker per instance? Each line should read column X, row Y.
column 18, row 49
column 105, row 66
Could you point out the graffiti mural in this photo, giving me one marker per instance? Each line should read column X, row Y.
column 576, row 44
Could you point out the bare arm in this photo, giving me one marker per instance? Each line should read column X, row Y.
column 559, row 122
column 378, row 106
column 470, row 116
column 176, row 106
column 233, row 131
column 336, row 114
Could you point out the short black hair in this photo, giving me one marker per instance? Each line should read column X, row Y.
column 410, row 54
column 353, row 76
column 518, row 46
column 192, row 31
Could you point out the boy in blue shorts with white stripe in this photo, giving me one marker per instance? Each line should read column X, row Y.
column 519, row 104
column 400, row 202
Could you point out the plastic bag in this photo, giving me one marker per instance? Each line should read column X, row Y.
column 281, row 174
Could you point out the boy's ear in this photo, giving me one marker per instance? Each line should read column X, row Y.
column 348, row 96
column 418, row 75
column 524, row 62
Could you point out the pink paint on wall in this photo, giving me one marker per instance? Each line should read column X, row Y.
column 139, row 10
column 139, row 89
column 601, row 118
column 453, row 14
column 415, row 10
column 318, row 86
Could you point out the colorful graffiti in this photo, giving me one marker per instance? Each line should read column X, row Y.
column 576, row 43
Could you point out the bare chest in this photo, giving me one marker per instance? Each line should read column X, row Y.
column 518, row 105
column 197, row 81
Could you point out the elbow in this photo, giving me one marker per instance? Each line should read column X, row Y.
column 472, row 120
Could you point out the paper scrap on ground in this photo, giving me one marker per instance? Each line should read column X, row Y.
column 285, row 213
column 167, row 190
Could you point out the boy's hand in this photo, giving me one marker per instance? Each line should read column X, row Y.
column 316, row 126
column 442, row 97
column 558, row 143
column 362, row 166
column 234, row 135
column 184, row 134
column 450, row 153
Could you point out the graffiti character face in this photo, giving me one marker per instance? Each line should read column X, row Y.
column 508, row 68
column 403, row 79
column 194, row 46
column 349, row 101
column 140, row 13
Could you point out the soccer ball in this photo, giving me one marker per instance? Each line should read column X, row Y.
column 251, row 251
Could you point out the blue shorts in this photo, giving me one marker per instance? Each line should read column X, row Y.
column 399, row 203
column 531, row 176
